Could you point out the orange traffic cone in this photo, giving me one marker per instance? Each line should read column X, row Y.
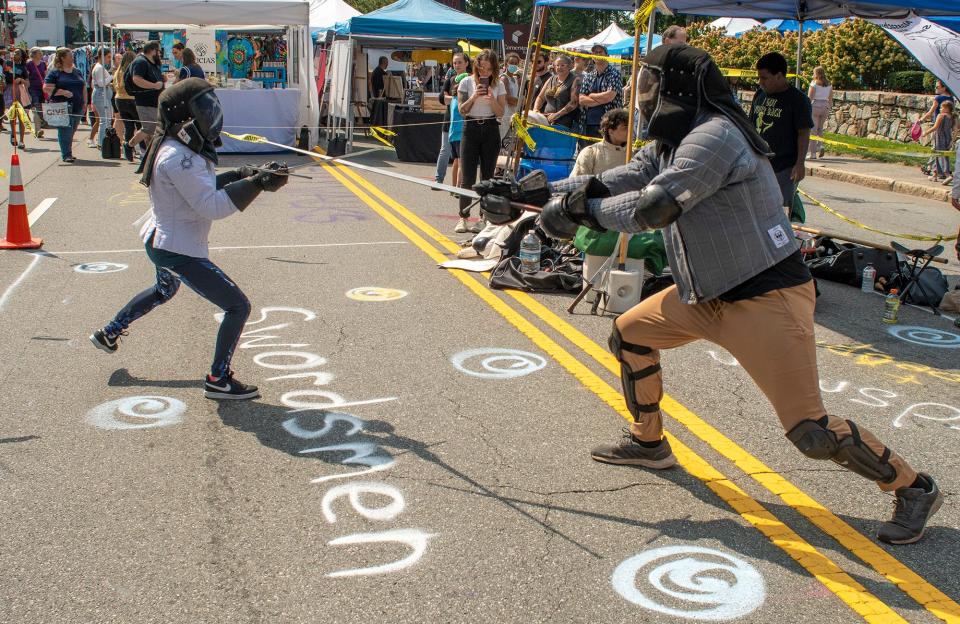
column 18, row 227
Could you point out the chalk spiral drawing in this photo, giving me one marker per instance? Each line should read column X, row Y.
column 925, row 336
column 724, row 358
column 952, row 419
column 374, row 293
column 99, row 267
column 151, row 411
column 716, row 586
column 326, row 417
column 497, row 363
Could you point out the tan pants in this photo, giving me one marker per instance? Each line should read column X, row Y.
column 772, row 338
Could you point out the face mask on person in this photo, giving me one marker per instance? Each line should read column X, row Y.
column 513, row 68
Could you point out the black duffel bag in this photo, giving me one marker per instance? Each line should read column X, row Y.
column 844, row 263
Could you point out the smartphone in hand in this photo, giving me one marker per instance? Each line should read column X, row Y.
column 484, row 87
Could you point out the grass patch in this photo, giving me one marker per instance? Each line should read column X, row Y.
column 909, row 155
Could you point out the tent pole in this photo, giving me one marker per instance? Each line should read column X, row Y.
column 634, row 70
column 796, row 81
column 513, row 163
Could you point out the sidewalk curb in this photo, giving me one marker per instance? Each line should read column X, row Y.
column 877, row 182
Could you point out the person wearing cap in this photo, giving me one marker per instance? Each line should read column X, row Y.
column 600, row 91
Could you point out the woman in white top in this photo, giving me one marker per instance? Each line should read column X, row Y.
column 481, row 100
column 511, row 83
column 102, row 82
column 820, row 94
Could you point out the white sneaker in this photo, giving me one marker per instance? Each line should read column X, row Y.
column 477, row 227
column 90, row 143
column 461, row 226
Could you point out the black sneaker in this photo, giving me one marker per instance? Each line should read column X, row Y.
column 228, row 388
column 628, row 452
column 102, row 341
column 911, row 512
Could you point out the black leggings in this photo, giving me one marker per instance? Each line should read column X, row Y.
column 128, row 113
column 207, row 280
column 480, row 144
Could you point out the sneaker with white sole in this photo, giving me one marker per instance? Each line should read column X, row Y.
column 477, row 226
column 106, row 342
column 461, row 226
column 228, row 388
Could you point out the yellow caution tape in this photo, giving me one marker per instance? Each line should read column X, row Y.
column 517, row 123
column 563, row 132
column 642, row 15
column 16, row 111
column 609, row 59
column 863, row 226
column 249, row 138
column 383, row 135
column 883, row 150
column 731, row 72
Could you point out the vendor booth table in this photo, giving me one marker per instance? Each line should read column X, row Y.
column 270, row 113
column 276, row 113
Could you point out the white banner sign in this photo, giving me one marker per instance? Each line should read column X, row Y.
column 937, row 48
column 204, row 46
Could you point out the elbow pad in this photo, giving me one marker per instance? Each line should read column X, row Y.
column 242, row 192
column 656, row 208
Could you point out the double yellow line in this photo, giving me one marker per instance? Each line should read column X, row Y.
column 819, row 565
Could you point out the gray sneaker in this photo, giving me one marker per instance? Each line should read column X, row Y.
column 628, row 452
column 912, row 510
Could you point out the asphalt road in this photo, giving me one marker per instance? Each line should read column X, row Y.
column 420, row 453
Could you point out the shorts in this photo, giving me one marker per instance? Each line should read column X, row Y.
column 455, row 149
column 787, row 186
column 113, row 104
column 148, row 118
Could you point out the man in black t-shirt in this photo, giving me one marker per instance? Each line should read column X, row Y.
column 377, row 82
column 148, row 80
column 782, row 116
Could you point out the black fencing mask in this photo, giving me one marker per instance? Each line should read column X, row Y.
column 189, row 112
column 677, row 84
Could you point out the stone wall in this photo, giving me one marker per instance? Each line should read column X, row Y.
column 872, row 114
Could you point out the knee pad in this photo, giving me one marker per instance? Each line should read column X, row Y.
column 817, row 442
column 628, row 376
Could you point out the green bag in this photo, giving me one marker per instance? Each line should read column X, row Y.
column 797, row 212
column 646, row 246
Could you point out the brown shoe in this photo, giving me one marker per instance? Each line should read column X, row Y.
column 628, row 452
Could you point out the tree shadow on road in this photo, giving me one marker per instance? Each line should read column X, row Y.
column 359, row 445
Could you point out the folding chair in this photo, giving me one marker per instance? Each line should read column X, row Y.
column 915, row 262
column 554, row 154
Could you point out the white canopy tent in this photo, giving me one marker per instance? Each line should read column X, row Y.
column 607, row 37
column 292, row 15
column 734, row 26
column 324, row 14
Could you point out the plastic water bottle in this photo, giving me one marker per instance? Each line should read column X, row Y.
column 869, row 277
column 891, row 307
column 530, row 253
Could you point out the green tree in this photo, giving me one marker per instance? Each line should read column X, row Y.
column 366, row 6
column 80, row 32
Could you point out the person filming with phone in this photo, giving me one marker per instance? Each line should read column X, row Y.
column 481, row 98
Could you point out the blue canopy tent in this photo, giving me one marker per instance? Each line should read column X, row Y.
column 421, row 18
column 953, row 23
column 785, row 25
column 624, row 47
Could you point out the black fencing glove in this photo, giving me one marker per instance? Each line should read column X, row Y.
column 273, row 177
column 495, row 186
column 564, row 214
column 530, row 189
column 498, row 210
